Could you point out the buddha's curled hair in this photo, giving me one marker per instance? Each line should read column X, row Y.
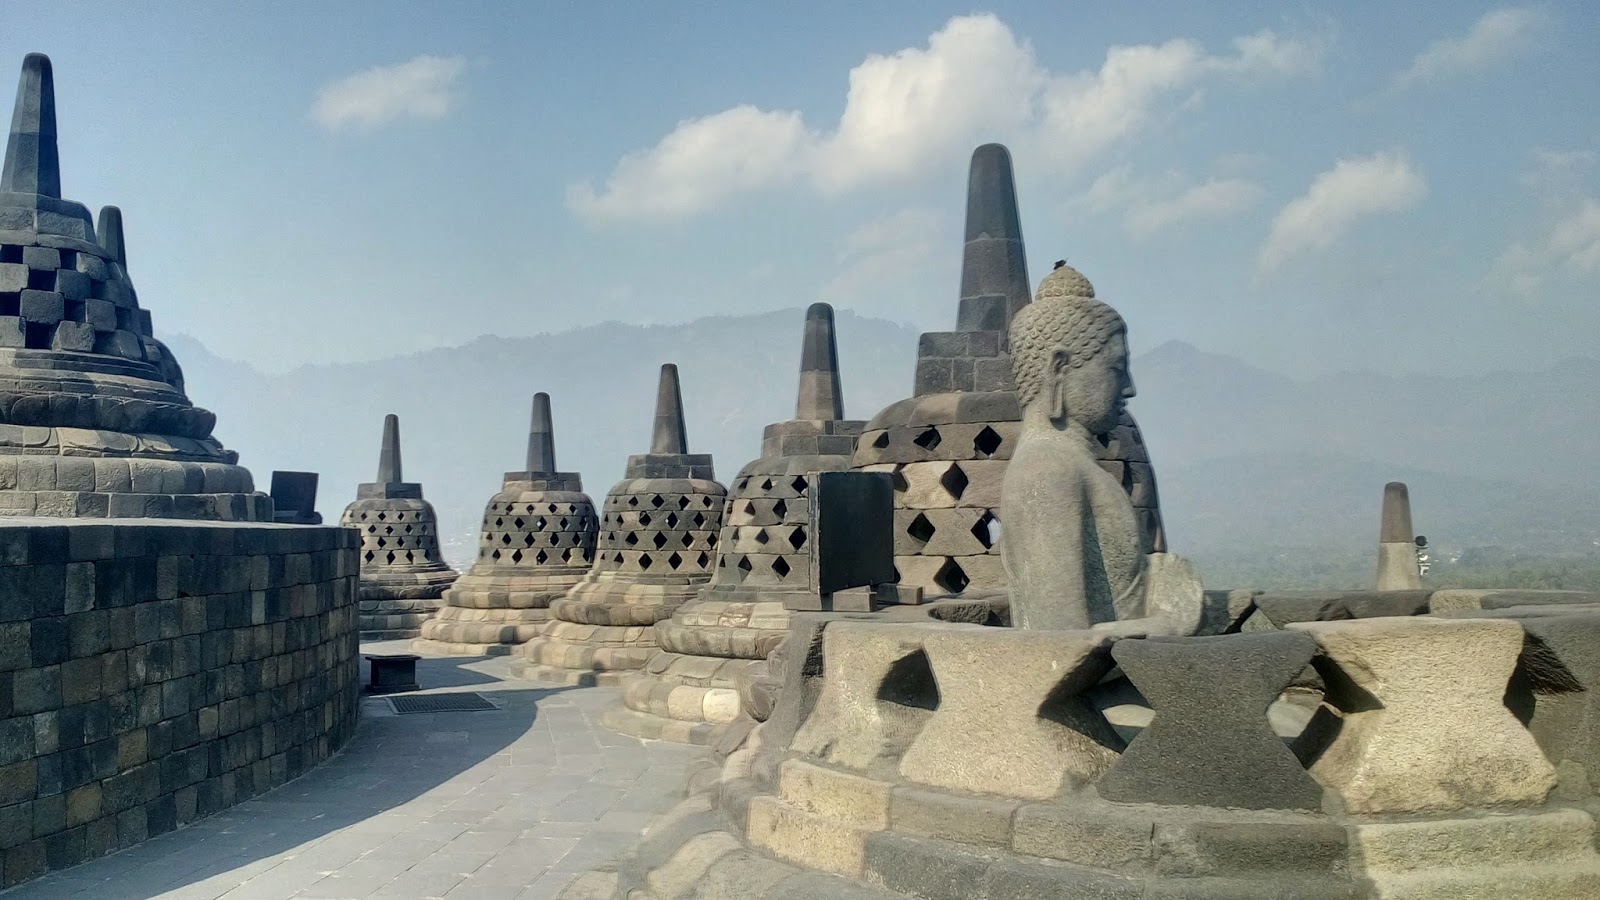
column 1064, row 313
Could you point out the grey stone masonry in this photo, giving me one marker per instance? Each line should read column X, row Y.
column 657, row 546
column 402, row 571
column 94, row 419
column 537, row 541
column 154, row 673
column 294, row 498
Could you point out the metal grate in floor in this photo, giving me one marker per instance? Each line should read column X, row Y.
column 462, row 701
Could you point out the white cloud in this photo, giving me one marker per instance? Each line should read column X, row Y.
column 1558, row 173
column 1352, row 190
column 1155, row 204
column 889, row 265
column 1498, row 36
column 421, row 88
column 916, row 110
column 1571, row 247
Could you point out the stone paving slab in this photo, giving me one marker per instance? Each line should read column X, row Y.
column 505, row 805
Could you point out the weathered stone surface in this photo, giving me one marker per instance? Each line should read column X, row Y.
column 1397, row 548
column 877, row 693
column 1210, row 743
column 1416, row 716
column 1017, row 730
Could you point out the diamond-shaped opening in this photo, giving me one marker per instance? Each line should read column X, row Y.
column 672, row 520
column 528, row 508
column 780, row 509
column 657, row 501
column 683, row 502
column 538, row 524
column 703, row 559
column 897, row 479
column 506, row 539
column 632, row 501
column 674, row 560
column 955, row 481
column 797, row 538
column 540, row 557
column 921, row 529
column 699, row 519
column 687, row 539
column 928, row 439
column 516, row 556
column 562, row 522
column 781, row 567
column 744, row 563
column 766, row 484
column 761, row 535
column 527, row 539
column 711, row 539
column 370, row 555
column 388, row 529
column 704, row 501
column 382, row 517
column 363, row 517
column 391, row 557
column 496, row 553
column 553, row 537
column 951, row 577
column 644, row 518
column 383, row 542
column 799, row 484
column 881, row 441
column 987, row 442
column 408, row 529
column 660, row 540
column 644, row 560
column 499, row 523
column 987, row 529
column 631, row 539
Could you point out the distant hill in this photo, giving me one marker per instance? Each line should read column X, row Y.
column 1259, row 472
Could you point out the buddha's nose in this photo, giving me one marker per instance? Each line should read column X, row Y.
column 1128, row 390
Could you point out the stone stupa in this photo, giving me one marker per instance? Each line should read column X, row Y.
column 1397, row 543
column 657, row 547
column 537, row 542
column 94, row 421
column 688, row 690
column 947, row 446
column 402, row 573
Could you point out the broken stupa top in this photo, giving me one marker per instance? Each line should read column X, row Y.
column 948, row 444
column 94, row 420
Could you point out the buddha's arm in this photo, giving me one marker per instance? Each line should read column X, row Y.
column 1042, row 550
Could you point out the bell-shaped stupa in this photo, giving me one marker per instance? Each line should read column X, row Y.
column 94, row 421
column 537, row 542
column 947, row 446
column 402, row 573
column 688, row 690
column 658, row 546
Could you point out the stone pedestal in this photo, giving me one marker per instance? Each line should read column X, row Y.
column 538, row 540
column 657, row 547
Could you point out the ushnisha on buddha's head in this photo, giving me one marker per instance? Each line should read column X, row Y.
column 1070, row 355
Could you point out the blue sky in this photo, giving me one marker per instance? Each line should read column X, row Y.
column 1367, row 187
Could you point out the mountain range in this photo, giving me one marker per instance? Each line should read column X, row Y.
column 1253, row 466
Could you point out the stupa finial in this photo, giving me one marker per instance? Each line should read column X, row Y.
column 821, row 397
column 669, row 435
column 33, row 164
column 994, row 268
column 1396, row 525
column 109, row 232
column 389, row 471
column 541, row 436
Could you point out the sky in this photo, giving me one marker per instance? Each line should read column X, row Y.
column 1308, row 187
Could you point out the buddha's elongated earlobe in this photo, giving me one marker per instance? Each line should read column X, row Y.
column 1060, row 361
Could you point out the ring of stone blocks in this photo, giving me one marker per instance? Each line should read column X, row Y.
column 502, row 615
column 630, row 613
column 507, row 577
column 57, row 405
column 387, row 586
column 938, row 574
column 91, row 443
column 114, row 475
column 89, row 505
column 649, row 692
column 666, row 566
column 480, row 632
column 490, row 598
column 697, row 671
column 717, row 640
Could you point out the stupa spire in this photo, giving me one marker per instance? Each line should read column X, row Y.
column 1397, row 548
column 669, row 435
column 33, row 164
column 109, row 233
column 389, row 471
column 821, row 397
column 994, row 268
column 541, row 436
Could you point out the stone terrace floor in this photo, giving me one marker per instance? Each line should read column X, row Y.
column 513, row 803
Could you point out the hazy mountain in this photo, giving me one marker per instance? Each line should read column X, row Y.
column 1256, row 468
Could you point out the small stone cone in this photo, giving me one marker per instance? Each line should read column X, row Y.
column 541, row 436
column 669, row 435
column 1397, row 549
column 109, row 231
column 821, row 396
column 994, row 267
column 389, row 471
column 33, row 164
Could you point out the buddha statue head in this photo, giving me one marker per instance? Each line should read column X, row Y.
column 1069, row 352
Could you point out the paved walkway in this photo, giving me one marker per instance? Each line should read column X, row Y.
column 512, row 803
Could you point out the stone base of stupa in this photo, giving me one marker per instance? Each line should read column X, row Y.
column 601, row 629
column 396, row 603
column 488, row 615
column 44, row 484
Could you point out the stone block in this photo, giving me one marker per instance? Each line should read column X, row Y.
column 43, row 307
column 71, row 284
column 101, row 315
column 13, row 332
column 1023, row 730
column 13, row 278
column 1414, row 719
column 877, row 693
column 1202, row 849
column 1100, row 838
column 41, row 258
column 74, row 336
column 803, row 838
column 919, row 867
column 951, row 817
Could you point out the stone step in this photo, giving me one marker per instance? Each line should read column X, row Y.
column 852, row 800
column 1553, row 882
column 1553, row 838
column 804, row 838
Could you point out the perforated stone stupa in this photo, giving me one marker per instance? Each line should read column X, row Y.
column 947, row 445
column 402, row 572
column 538, row 541
column 658, row 546
column 688, row 690
column 94, row 421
